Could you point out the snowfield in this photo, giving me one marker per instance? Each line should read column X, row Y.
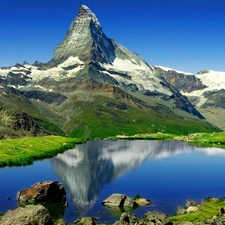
column 141, row 74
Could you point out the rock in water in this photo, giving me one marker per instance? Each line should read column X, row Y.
column 43, row 192
column 30, row 215
column 119, row 200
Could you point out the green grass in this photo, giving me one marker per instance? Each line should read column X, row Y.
column 205, row 212
column 98, row 120
column 23, row 151
column 216, row 139
column 154, row 136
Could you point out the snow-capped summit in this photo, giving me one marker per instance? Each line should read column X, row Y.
column 84, row 11
column 85, row 40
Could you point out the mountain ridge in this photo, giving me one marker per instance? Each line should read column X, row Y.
column 205, row 90
column 94, row 88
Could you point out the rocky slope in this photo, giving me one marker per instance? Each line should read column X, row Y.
column 205, row 90
column 94, row 87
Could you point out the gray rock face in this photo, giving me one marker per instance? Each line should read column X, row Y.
column 86, row 221
column 49, row 191
column 17, row 123
column 190, row 202
column 185, row 83
column 150, row 218
column 181, row 210
column 220, row 221
column 30, row 215
column 85, row 40
column 127, row 219
column 119, row 200
column 214, row 98
column 157, row 218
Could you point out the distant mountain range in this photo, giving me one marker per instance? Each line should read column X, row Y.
column 95, row 88
column 205, row 90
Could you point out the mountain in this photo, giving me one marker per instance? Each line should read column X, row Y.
column 205, row 90
column 94, row 87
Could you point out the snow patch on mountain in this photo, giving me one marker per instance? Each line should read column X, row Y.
column 140, row 73
column 178, row 71
column 4, row 72
column 70, row 62
column 213, row 79
column 57, row 73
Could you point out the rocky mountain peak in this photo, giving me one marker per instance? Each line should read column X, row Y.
column 85, row 40
column 85, row 12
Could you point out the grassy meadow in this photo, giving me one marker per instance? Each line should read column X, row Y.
column 206, row 212
column 215, row 139
column 23, row 151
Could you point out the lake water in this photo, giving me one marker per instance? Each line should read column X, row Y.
column 167, row 173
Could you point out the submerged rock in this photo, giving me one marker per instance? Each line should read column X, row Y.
column 43, row 192
column 30, row 215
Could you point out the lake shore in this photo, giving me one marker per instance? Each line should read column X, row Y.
column 24, row 151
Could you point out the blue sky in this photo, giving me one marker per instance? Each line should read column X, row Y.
column 184, row 35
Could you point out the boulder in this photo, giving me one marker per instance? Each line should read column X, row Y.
column 86, row 221
column 127, row 219
column 186, row 223
column 190, row 202
column 43, row 192
column 191, row 209
column 30, row 215
column 181, row 210
column 219, row 221
column 142, row 201
column 155, row 217
column 119, row 200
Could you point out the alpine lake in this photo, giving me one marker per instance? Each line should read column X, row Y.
column 165, row 172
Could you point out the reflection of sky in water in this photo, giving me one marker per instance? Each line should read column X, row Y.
column 166, row 172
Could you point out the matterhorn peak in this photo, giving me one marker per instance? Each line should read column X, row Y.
column 84, row 11
column 85, row 40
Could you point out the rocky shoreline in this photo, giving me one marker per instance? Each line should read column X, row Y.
column 34, row 210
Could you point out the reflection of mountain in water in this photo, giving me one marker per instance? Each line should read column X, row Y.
column 212, row 151
column 85, row 169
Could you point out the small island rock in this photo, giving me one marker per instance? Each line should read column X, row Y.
column 142, row 201
column 119, row 200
